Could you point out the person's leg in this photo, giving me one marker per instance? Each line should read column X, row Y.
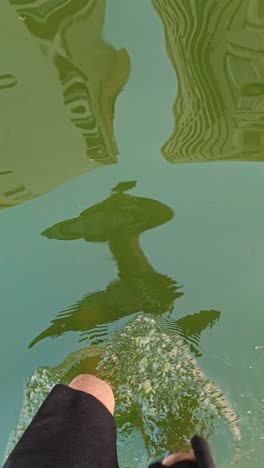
column 73, row 427
column 96, row 387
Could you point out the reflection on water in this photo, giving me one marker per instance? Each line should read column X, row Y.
column 91, row 74
column 216, row 48
column 119, row 220
column 163, row 397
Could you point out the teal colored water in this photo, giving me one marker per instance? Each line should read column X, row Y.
column 131, row 181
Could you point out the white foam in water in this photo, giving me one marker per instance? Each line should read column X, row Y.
column 162, row 396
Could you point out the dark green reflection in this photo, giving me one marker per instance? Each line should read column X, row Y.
column 216, row 48
column 119, row 221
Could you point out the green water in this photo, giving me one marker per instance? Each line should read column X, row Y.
column 88, row 243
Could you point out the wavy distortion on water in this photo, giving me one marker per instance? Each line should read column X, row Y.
column 91, row 74
column 216, row 48
column 160, row 390
column 117, row 221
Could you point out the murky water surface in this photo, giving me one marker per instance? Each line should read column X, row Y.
column 132, row 225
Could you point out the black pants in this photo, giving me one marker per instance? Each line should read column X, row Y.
column 72, row 429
